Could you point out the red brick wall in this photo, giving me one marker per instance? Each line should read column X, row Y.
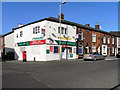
column 87, row 39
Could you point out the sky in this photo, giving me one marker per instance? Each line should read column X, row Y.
column 104, row 13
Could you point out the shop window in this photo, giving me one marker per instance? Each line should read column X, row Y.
column 70, row 50
column 94, row 49
column 104, row 39
column 80, row 35
column 112, row 49
column 55, row 49
column 80, row 51
column 108, row 40
column 112, row 40
column 74, row 50
column 21, row 33
column 94, row 37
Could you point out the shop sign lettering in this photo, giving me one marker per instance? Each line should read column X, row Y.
column 37, row 42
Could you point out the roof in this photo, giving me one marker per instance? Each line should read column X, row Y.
column 67, row 22
column 7, row 33
column 116, row 33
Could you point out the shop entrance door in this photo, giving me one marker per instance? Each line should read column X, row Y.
column 64, row 52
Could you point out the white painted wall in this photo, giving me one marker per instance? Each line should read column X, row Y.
column 9, row 43
column 50, row 28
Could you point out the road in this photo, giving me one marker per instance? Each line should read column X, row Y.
column 64, row 74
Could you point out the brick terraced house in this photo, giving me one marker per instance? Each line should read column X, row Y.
column 95, row 40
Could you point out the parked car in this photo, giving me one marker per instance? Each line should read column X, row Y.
column 118, row 55
column 93, row 56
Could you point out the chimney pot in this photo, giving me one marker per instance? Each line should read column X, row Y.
column 88, row 25
column 97, row 26
column 62, row 16
column 12, row 29
column 19, row 25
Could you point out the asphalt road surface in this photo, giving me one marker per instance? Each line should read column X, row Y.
column 64, row 74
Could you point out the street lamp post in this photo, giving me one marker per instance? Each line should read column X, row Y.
column 60, row 28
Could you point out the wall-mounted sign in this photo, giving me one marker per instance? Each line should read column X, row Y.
column 51, row 49
column 66, row 43
column 23, row 43
column 38, row 38
column 65, row 38
column 37, row 42
column 47, row 51
column 43, row 31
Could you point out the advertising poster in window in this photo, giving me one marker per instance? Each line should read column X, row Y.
column 51, row 49
column 55, row 49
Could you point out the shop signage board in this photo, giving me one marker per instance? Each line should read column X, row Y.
column 23, row 43
column 66, row 43
column 37, row 42
column 38, row 38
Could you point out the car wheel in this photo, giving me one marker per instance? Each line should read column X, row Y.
column 94, row 59
column 104, row 58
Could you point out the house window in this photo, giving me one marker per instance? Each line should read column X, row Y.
column 104, row 39
column 80, row 35
column 112, row 49
column 80, row 51
column 112, row 40
column 65, row 30
column 21, row 33
column 17, row 35
column 62, row 29
column 36, row 30
column 58, row 29
column 94, row 49
column 94, row 37
column 119, row 42
column 108, row 40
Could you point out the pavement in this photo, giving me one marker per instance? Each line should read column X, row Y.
column 60, row 74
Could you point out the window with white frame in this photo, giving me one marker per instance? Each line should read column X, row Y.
column 112, row 40
column 36, row 30
column 118, row 41
column 16, row 35
column 94, row 49
column 80, row 35
column 63, row 30
column 108, row 40
column 21, row 33
column 104, row 39
column 93, row 37
column 112, row 49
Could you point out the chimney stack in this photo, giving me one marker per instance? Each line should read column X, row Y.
column 97, row 26
column 88, row 25
column 12, row 29
column 19, row 25
column 62, row 16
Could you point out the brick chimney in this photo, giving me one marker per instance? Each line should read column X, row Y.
column 19, row 25
column 62, row 16
column 97, row 26
column 12, row 29
column 88, row 25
